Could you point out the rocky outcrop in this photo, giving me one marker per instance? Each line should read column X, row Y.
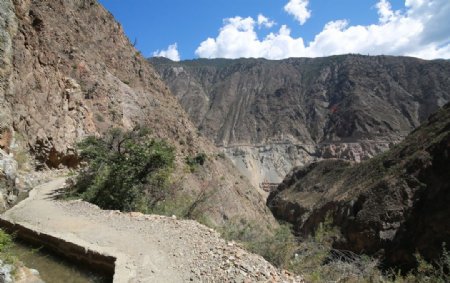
column 8, row 174
column 394, row 205
column 8, row 27
column 348, row 106
column 272, row 162
column 70, row 72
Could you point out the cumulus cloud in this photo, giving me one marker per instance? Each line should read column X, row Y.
column 421, row 30
column 265, row 22
column 238, row 38
column 385, row 11
column 171, row 52
column 298, row 9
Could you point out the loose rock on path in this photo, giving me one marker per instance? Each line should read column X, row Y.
column 147, row 248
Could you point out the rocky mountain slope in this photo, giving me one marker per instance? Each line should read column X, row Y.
column 395, row 204
column 69, row 71
column 269, row 116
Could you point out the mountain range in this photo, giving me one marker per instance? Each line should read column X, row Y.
column 269, row 116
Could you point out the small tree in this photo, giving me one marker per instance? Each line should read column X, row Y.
column 127, row 170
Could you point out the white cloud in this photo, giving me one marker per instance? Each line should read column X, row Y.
column 298, row 9
column 264, row 21
column 237, row 38
column 421, row 30
column 385, row 11
column 171, row 52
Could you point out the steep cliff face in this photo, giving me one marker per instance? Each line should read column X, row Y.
column 272, row 115
column 394, row 204
column 75, row 73
column 69, row 71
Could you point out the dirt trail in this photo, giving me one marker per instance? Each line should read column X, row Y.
column 148, row 248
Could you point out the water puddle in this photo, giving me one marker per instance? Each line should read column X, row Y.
column 54, row 269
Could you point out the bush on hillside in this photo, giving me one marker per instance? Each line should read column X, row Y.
column 438, row 272
column 6, row 245
column 316, row 260
column 127, row 171
column 194, row 161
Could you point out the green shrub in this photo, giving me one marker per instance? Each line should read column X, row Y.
column 99, row 117
column 438, row 272
column 6, row 244
column 316, row 260
column 194, row 161
column 177, row 205
column 127, row 170
column 221, row 155
column 276, row 247
column 21, row 156
column 312, row 257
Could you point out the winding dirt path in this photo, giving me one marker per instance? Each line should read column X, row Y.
column 147, row 248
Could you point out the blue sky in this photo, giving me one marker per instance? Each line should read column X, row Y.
column 309, row 28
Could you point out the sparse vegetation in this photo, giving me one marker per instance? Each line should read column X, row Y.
column 6, row 244
column 221, row 155
column 113, row 114
column 439, row 272
column 20, row 153
column 99, row 117
column 21, row 156
column 177, row 204
column 194, row 161
column 315, row 258
column 318, row 261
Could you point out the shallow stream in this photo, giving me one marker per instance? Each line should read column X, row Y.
column 54, row 269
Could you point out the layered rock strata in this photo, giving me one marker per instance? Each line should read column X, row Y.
column 269, row 116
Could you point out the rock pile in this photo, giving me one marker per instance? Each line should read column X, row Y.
column 196, row 251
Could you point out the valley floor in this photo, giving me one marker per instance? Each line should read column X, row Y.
column 147, row 248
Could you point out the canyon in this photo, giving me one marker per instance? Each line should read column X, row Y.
column 270, row 116
column 350, row 137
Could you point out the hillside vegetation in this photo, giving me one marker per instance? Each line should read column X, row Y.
column 392, row 206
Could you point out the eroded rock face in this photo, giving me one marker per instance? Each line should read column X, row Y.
column 74, row 73
column 8, row 174
column 70, row 72
column 327, row 105
column 272, row 162
column 394, row 204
